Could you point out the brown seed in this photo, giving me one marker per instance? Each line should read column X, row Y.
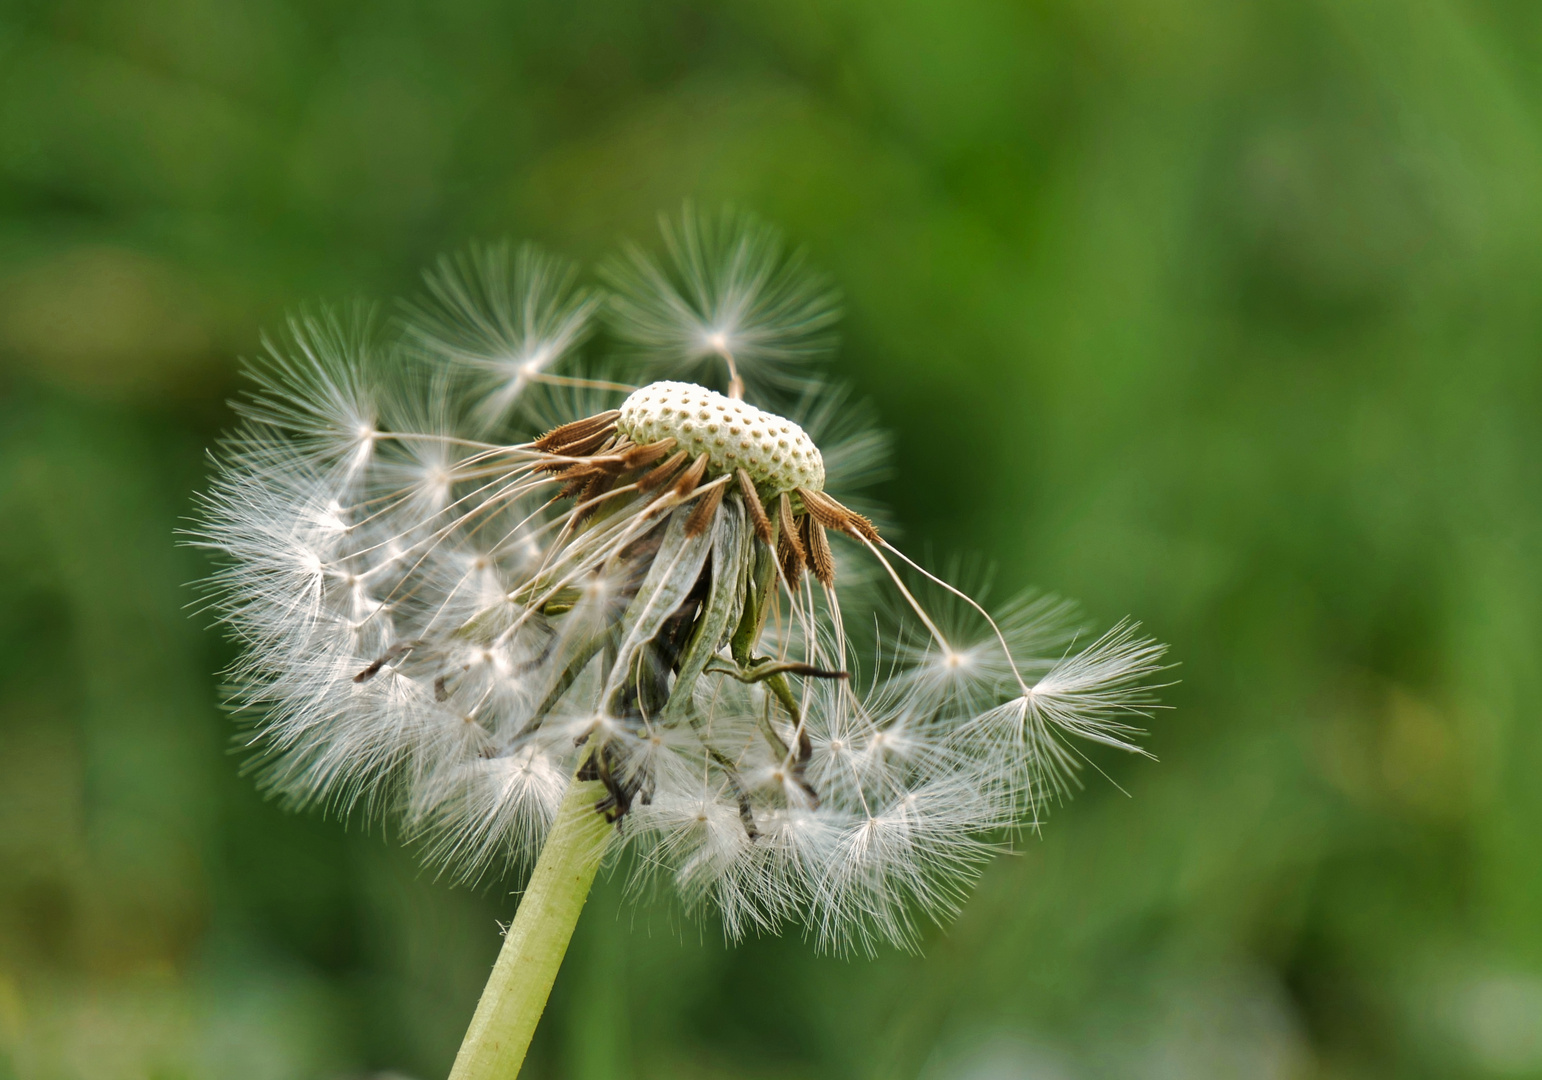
column 832, row 515
column 789, row 525
column 639, row 456
column 577, row 483
column 560, row 439
column 756, row 508
column 660, row 474
column 691, row 477
column 706, row 510
column 819, row 555
column 789, row 547
column 791, row 560
column 598, row 485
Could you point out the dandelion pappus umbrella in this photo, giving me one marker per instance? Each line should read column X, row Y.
column 626, row 633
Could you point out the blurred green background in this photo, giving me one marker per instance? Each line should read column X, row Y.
column 1226, row 315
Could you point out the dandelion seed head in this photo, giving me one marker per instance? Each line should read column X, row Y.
column 445, row 626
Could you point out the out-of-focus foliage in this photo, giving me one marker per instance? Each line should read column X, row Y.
column 1228, row 315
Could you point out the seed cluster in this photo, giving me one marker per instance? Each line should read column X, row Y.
column 774, row 451
column 444, row 630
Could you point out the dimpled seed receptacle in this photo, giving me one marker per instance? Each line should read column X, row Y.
column 777, row 453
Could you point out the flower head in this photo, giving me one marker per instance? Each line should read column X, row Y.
column 447, row 625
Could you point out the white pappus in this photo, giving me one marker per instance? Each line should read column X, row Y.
column 463, row 572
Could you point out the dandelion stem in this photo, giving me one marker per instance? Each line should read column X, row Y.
column 516, row 992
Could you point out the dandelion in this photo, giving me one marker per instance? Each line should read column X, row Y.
column 542, row 619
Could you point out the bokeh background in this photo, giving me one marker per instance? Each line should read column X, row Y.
column 1224, row 315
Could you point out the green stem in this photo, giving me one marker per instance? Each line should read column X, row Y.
column 516, row 992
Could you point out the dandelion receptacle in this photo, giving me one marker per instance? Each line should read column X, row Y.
column 549, row 615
